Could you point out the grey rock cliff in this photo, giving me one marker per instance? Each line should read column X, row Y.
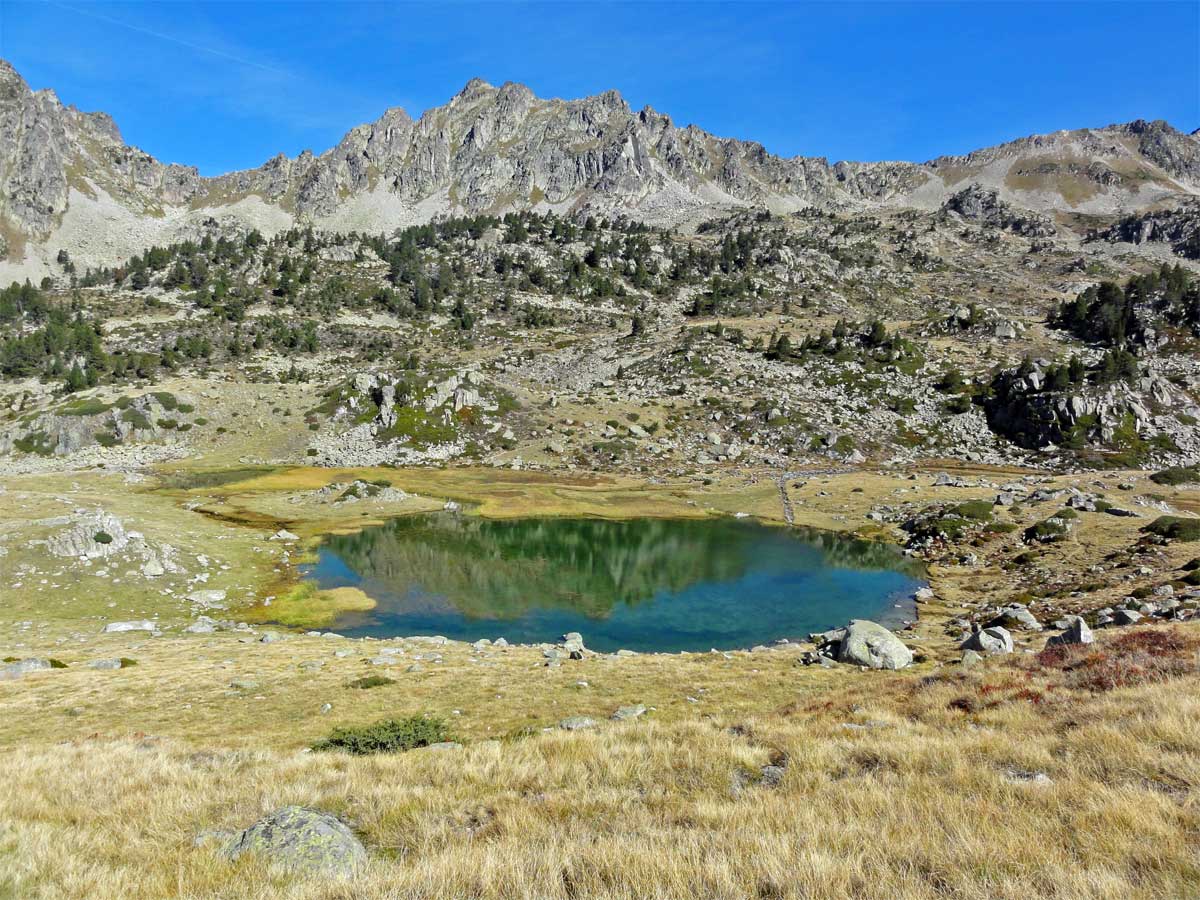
column 69, row 181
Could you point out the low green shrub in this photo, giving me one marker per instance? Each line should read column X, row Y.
column 371, row 681
column 979, row 510
column 1046, row 532
column 1177, row 475
column 388, row 736
column 1174, row 527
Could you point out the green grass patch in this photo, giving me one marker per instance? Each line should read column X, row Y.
column 976, row 510
column 36, row 442
column 136, row 418
column 83, row 408
column 166, row 400
column 1051, row 530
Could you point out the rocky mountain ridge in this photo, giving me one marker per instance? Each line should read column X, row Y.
column 68, row 181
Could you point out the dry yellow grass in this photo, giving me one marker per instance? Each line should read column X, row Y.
column 914, row 802
column 897, row 784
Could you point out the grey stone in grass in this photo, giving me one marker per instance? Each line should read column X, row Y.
column 1075, row 631
column 624, row 713
column 577, row 723
column 1016, row 616
column 14, row 670
column 1027, row 776
column 120, row 627
column 866, row 643
column 990, row 640
column 301, row 840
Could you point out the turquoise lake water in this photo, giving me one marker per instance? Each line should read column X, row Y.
column 643, row 584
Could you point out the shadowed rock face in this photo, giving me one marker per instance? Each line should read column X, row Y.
column 495, row 149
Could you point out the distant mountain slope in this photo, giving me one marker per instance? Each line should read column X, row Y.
column 69, row 182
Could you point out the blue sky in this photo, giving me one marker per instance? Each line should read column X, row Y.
column 227, row 85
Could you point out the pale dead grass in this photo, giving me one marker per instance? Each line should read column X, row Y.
column 109, row 776
column 917, row 806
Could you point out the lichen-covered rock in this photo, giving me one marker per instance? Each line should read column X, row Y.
column 577, row 723
column 303, row 840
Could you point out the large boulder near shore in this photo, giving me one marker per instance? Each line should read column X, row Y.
column 865, row 643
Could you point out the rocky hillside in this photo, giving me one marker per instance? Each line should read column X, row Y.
column 68, row 181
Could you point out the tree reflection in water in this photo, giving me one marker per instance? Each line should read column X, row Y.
column 643, row 583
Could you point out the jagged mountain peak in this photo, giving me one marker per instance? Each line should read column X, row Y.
column 68, row 181
column 475, row 87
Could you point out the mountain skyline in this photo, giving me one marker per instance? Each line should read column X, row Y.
column 225, row 87
column 71, row 183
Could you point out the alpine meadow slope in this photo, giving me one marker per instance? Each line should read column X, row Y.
column 569, row 354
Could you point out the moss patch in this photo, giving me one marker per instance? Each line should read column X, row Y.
column 304, row 606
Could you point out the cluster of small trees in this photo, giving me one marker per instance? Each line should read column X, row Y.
column 1117, row 317
column 843, row 341
column 41, row 338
